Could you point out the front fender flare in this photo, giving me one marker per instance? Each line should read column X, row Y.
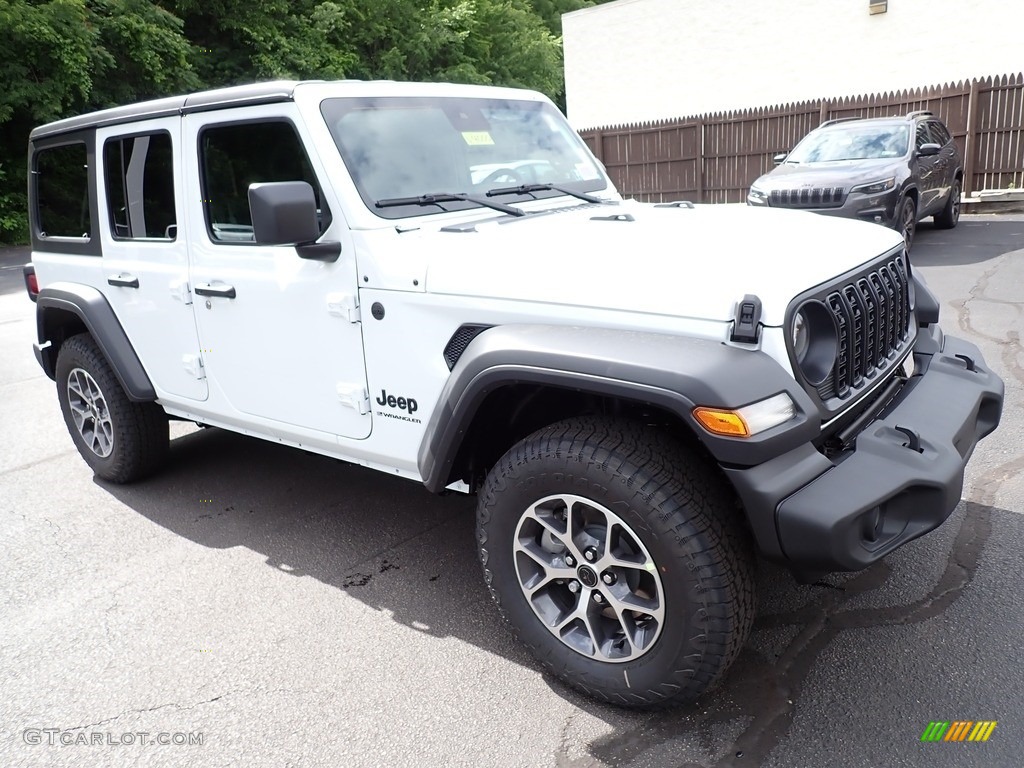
column 674, row 373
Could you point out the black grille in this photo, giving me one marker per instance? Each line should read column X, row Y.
column 459, row 341
column 815, row 197
column 872, row 315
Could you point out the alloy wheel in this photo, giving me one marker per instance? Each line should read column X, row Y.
column 90, row 413
column 588, row 578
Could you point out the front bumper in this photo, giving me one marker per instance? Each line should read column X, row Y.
column 901, row 478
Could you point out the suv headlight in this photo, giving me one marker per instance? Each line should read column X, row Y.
column 756, row 196
column 815, row 341
column 875, row 187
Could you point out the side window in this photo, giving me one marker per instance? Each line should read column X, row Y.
column 940, row 135
column 139, row 174
column 62, row 184
column 923, row 136
column 235, row 156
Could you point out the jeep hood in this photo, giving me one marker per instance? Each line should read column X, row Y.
column 684, row 262
column 837, row 173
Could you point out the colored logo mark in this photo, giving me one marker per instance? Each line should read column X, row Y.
column 959, row 730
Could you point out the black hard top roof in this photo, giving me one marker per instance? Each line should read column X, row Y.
column 236, row 96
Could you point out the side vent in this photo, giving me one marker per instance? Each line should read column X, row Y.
column 459, row 341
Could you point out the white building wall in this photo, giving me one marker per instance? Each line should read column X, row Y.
column 636, row 60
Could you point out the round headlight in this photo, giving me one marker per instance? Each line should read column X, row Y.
column 815, row 341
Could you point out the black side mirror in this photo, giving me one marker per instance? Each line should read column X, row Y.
column 780, row 158
column 284, row 213
column 928, row 150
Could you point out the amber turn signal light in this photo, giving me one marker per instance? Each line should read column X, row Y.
column 719, row 422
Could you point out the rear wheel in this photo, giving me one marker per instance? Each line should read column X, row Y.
column 906, row 221
column 950, row 215
column 619, row 559
column 121, row 440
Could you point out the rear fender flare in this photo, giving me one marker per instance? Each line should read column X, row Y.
column 92, row 308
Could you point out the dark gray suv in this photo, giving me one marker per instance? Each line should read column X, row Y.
column 893, row 171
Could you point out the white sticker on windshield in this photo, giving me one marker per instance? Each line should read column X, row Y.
column 477, row 138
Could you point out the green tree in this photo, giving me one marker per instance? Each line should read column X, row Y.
column 64, row 57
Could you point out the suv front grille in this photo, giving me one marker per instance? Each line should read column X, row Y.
column 872, row 315
column 816, row 197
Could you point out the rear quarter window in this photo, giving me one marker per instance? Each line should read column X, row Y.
column 62, row 184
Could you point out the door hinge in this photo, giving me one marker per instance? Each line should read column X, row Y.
column 193, row 365
column 354, row 396
column 343, row 305
column 181, row 291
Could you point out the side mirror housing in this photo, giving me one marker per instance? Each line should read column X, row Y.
column 284, row 213
column 928, row 150
column 780, row 158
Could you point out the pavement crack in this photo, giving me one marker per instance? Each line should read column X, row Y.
column 144, row 710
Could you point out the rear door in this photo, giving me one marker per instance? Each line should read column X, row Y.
column 145, row 258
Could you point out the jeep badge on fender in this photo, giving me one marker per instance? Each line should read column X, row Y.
column 766, row 382
column 402, row 403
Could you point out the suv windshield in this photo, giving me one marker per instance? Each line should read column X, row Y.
column 852, row 142
column 410, row 147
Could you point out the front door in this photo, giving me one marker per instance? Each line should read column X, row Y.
column 280, row 335
column 928, row 172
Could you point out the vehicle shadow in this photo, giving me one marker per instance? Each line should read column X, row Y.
column 394, row 546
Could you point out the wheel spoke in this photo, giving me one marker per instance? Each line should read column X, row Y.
column 553, row 564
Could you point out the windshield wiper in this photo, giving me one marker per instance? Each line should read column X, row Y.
column 526, row 189
column 436, row 198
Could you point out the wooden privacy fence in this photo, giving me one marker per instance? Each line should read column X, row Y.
column 713, row 158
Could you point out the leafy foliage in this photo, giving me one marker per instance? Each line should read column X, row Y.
column 63, row 57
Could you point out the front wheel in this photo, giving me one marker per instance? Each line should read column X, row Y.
column 950, row 215
column 906, row 221
column 619, row 559
column 121, row 440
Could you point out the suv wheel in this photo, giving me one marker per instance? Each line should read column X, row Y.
column 951, row 213
column 906, row 221
column 619, row 559
column 122, row 441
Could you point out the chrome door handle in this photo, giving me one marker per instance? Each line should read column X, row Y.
column 223, row 291
column 125, row 281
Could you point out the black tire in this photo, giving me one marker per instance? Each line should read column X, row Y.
column 906, row 221
column 135, row 441
column 678, row 507
column 950, row 215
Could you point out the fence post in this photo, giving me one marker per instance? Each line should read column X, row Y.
column 700, row 163
column 599, row 145
column 823, row 112
column 971, row 139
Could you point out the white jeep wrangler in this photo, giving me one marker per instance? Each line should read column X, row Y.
column 440, row 282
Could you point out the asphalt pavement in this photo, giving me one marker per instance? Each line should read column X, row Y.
column 285, row 609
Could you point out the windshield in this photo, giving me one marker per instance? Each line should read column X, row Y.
column 409, row 147
column 852, row 142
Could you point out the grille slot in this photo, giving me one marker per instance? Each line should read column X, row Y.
column 811, row 197
column 872, row 315
column 459, row 341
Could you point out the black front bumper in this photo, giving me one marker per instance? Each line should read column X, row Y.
column 902, row 477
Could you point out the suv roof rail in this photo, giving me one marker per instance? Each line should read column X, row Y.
column 839, row 120
column 921, row 113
